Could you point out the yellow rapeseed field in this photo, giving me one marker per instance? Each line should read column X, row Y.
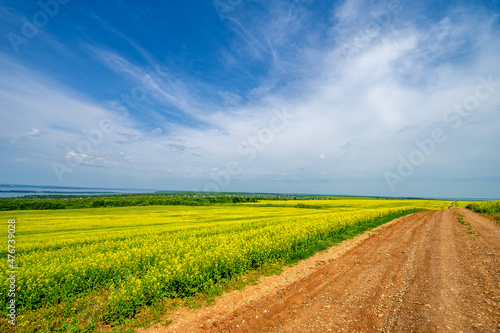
column 138, row 255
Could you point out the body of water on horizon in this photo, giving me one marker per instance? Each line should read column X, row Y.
column 19, row 190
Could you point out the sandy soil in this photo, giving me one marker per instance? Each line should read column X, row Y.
column 425, row 272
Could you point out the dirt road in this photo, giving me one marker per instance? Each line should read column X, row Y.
column 427, row 272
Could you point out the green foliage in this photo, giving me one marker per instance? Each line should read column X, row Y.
column 487, row 207
column 8, row 204
column 491, row 208
column 301, row 205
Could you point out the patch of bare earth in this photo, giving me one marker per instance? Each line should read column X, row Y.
column 423, row 272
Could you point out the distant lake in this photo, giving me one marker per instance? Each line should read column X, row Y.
column 20, row 190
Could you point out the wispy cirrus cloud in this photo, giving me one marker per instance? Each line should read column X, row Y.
column 359, row 88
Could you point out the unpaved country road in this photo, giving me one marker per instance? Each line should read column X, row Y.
column 425, row 272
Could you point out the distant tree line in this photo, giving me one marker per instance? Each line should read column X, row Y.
column 258, row 196
column 94, row 200
column 7, row 204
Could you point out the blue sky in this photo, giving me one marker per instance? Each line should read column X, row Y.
column 355, row 97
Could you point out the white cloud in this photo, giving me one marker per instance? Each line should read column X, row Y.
column 357, row 114
column 18, row 160
column 32, row 132
column 157, row 131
